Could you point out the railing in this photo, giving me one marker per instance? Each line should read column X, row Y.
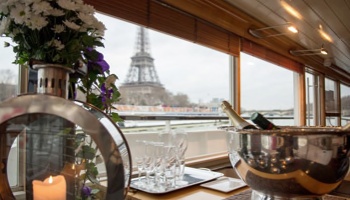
column 188, row 118
column 197, row 116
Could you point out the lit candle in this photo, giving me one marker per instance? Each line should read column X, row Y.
column 52, row 188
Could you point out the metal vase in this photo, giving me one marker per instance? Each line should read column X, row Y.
column 53, row 79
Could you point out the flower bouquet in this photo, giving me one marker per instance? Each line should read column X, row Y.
column 64, row 32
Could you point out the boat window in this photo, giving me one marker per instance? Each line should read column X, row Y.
column 332, row 103
column 268, row 89
column 8, row 72
column 313, row 100
column 167, row 83
column 345, row 104
column 8, row 89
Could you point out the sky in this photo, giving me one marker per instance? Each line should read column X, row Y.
column 187, row 68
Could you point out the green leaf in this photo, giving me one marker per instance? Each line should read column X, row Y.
column 87, row 152
column 98, row 43
column 88, row 40
column 115, row 117
column 93, row 179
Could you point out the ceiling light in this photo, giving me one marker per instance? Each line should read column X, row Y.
column 293, row 29
column 291, row 10
column 307, row 52
column 325, row 35
column 263, row 32
column 323, row 51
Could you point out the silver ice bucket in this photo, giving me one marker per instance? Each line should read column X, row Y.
column 292, row 162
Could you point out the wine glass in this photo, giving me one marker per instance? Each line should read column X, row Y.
column 167, row 137
column 139, row 159
column 181, row 144
column 159, row 164
column 149, row 161
column 170, row 160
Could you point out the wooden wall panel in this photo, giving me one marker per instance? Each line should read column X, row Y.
column 159, row 16
column 270, row 56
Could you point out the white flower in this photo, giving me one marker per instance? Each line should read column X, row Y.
column 71, row 25
column 4, row 8
column 67, row 4
column 88, row 9
column 84, row 28
column 37, row 22
column 11, row 2
column 57, row 12
column 86, row 18
column 58, row 28
column 18, row 13
column 100, row 28
column 110, row 80
column 59, row 22
column 41, row 7
column 57, row 44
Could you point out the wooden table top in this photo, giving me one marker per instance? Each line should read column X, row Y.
column 190, row 193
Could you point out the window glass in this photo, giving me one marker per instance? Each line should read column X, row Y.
column 310, row 99
column 8, row 72
column 168, row 77
column 193, row 75
column 268, row 89
column 8, row 89
column 313, row 100
column 331, row 103
column 345, row 104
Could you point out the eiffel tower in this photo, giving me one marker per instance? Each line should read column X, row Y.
column 142, row 85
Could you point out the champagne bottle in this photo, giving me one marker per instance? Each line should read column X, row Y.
column 262, row 122
column 236, row 120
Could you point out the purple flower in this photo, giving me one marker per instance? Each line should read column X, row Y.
column 99, row 60
column 105, row 93
column 86, row 191
column 89, row 49
column 103, row 64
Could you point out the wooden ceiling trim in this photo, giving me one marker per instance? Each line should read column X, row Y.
column 206, row 11
column 167, row 20
column 130, row 10
column 270, row 56
column 217, row 39
column 159, row 16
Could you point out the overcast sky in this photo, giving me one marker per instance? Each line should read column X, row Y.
column 188, row 68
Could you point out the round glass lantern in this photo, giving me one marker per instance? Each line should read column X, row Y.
column 65, row 150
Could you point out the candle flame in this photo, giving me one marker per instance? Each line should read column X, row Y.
column 73, row 167
column 50, row 180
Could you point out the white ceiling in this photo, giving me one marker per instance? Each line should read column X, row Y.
column 313, row 18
